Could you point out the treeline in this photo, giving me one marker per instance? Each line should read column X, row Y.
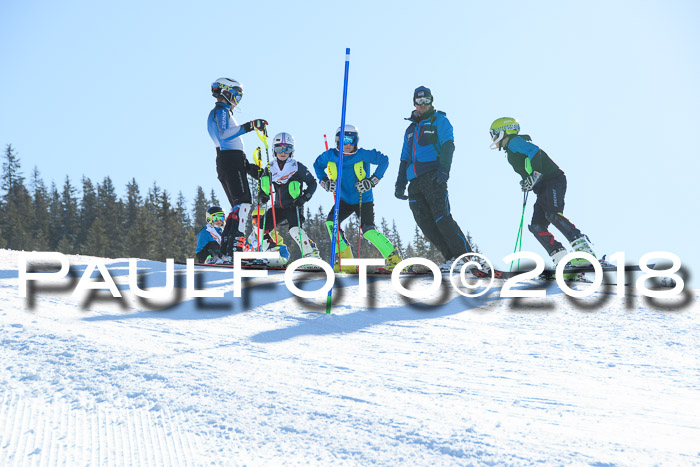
column 93, row 220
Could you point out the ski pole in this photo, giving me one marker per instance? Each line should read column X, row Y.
column 325, row 141
column 294, row 188
column 519, row 238
column 361, row 175
column 340, row 170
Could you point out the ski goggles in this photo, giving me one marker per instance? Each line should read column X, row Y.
column 350, row 139
column 219, row 217
column 283, row 148
column 233, row 94
column 423, row 100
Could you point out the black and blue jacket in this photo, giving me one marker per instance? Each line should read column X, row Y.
column 427, row 144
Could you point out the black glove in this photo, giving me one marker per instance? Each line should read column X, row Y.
column 441, row 175
column 528, row 183
column 399, row 193
column 264, row 198
column 257, row 124
column 303, row 198
column 328, row 184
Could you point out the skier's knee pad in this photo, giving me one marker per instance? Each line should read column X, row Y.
column 341, row 235
column 366, row 228
column 379, row 241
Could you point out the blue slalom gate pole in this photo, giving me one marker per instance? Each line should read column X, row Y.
column 340, row 171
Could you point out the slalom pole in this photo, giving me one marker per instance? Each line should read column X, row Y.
column 263, row 137
column 325, row 141
column 258, row 162
column 519, row 238
column 340, row 170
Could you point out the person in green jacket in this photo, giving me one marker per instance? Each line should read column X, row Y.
column 541, row 175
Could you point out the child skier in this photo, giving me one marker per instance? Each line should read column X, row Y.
column 267, row 243
column 208, row 248
column 356, row 193
column 231, row 160
column 293, row 187
column 541, row 175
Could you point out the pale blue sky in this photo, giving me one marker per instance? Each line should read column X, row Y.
column 608, row 89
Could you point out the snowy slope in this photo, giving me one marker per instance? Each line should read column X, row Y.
column 270, row 379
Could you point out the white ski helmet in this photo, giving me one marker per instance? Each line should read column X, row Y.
column 352, row 136
column 283, row 142
column 230, row 89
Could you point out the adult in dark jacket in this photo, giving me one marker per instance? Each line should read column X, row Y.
column 426, row 158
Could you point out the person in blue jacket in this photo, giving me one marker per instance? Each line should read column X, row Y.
column 231, row 163
column 426, row 158
column 356, row 185
column 208, row 249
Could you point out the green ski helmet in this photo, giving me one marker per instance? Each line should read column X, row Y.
column 501, row 127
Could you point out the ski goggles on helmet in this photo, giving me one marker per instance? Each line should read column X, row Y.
column 218, row 217
column 350, row 139
column 423, row 100
column 233, row 94
column 284, row 148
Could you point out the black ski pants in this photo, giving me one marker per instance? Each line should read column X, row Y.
column 549, row 209
column 231, row 170
column 292, row 214
column 430, row 205
column 345, row 210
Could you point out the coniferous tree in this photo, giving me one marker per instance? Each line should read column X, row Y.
column 40, row 204
column 16, row 223
column 55, row 218
column 88, row 213
column 184, row 244
column 395, row 239
column 97, row 241
column 109, row 210
column 69, row 219
column 199, row 209
column 213, row 200
column 132, row 204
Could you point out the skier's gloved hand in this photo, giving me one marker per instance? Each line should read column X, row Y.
column 303, row 198
column 257, row 124
column 264, row 198
column 328, row 184
column 399, row 193
column 364, row 185
column 528, row 183
column 441, row 175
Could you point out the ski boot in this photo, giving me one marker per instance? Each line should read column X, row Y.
column 557, row 256
column 391, row 261
column 339, row 266
column 582, row 244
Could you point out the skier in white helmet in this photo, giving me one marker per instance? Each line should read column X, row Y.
column 293, row 187
column 231, row 162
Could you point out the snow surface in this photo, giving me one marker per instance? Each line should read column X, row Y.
column 270, row 379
